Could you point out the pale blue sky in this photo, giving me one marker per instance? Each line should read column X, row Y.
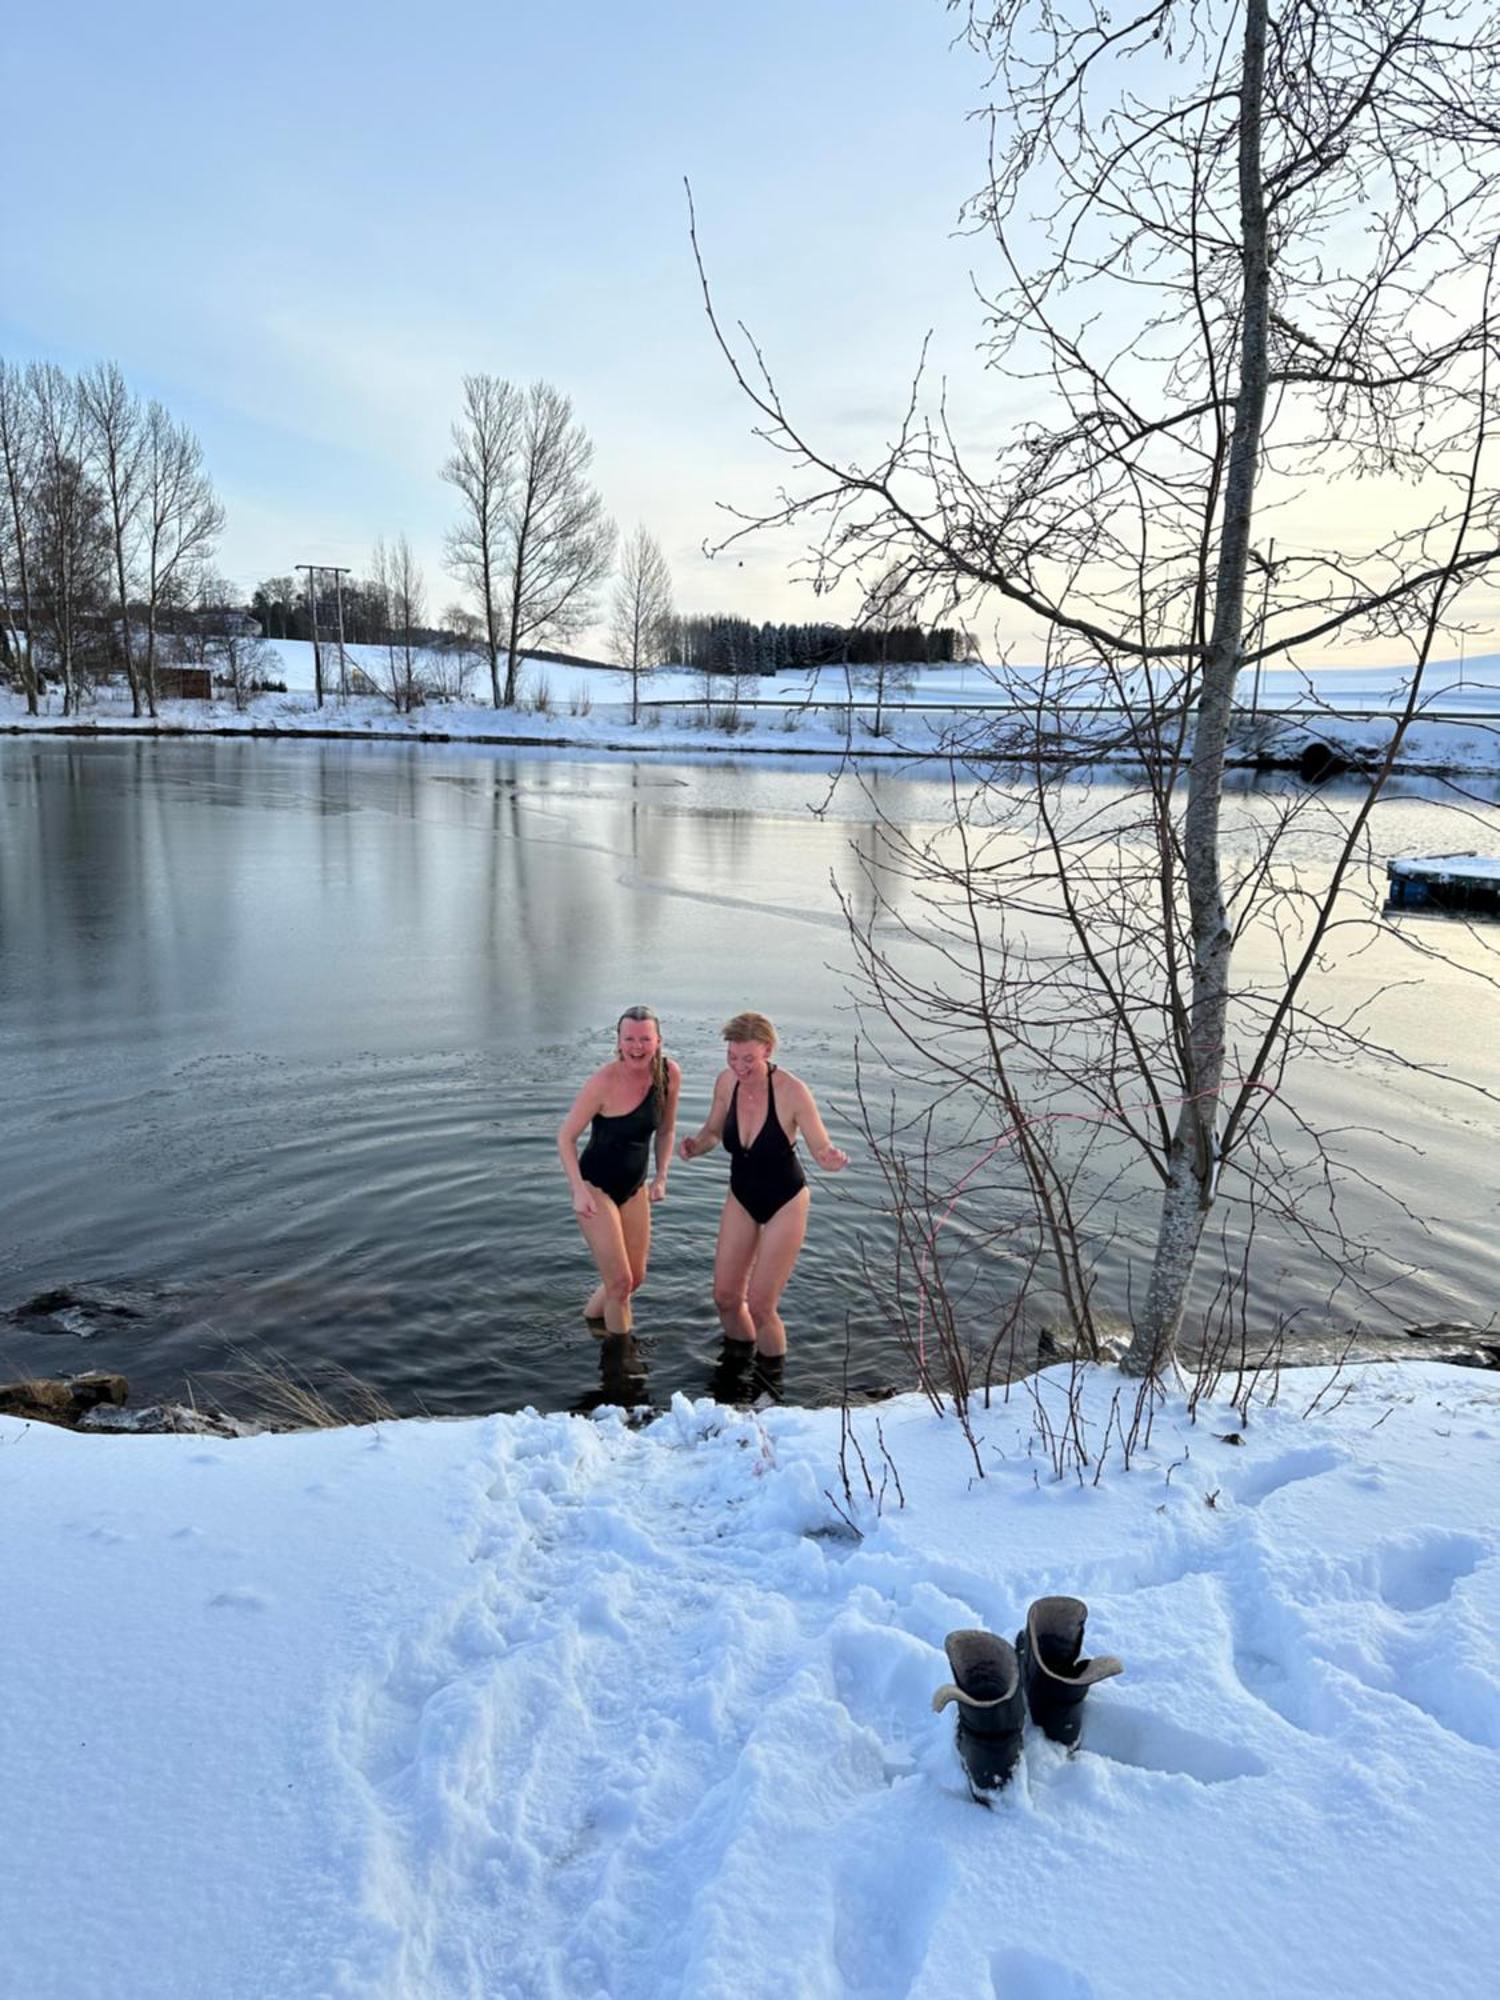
column 300, row 226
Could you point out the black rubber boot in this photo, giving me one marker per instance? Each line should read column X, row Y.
column 1056, row 1678
column 986, row 1685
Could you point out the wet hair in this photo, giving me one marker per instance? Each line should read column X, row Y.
column 658, row 1059
column 750, row 1027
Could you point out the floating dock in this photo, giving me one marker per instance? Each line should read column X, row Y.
column 1445, row 882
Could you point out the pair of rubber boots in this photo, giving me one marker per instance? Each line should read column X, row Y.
column 995, row 1684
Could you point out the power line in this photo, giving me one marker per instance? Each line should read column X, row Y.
column 314, row 570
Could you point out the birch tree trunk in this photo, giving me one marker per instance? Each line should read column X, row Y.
column 18, row 453
column 1193, row 1157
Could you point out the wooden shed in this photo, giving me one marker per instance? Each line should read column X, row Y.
column 184, row 684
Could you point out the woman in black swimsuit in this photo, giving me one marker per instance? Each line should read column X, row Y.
column 629, row 1100
column 759, row 1111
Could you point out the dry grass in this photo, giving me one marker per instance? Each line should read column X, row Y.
column 537, row 699
column 269, row 1389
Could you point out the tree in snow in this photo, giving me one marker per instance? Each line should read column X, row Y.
column 642, row 622
column 483, row 470
column 533, row 542
column 559, row 540
column 398, row 578
column 1243, row 288
column 20, row 448
column 180, row 522
column 67, row 533
column 889, row 614
column 114, row 427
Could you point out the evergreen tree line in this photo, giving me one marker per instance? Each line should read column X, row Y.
column 708, row 642
column 717, row 643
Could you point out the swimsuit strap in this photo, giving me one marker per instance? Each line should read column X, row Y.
column 771, row 1106
column 733, row 1115
column 614, row 1117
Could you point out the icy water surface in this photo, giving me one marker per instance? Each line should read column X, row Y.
column 286, row 1031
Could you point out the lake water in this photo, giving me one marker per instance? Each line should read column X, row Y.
column 286, row 1031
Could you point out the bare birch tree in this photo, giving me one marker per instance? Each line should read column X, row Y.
column 220, row 640
column 642, row 621
column 889, row 607
column 559, row 540
column 1246, row 257
column 18, row 464
column 397, row 576
column 67, row 545
column 115, row 430
column 483, row 469
column 180, row 522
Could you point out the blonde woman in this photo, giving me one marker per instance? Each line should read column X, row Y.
column 629, row 1100
column 760, row 1111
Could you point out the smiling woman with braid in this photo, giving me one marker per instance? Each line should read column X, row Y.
column 630, row 1100
column 760, row 1111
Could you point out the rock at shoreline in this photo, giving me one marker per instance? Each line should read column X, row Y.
column 62, row 1401
column 1460, row 1342
column 1065, row 1343
column 169, row 1417
column 96, row 1402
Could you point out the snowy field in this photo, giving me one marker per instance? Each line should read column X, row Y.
column 546, row 1706
column 589, row 708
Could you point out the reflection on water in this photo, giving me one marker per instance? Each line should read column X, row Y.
column 286, row 1031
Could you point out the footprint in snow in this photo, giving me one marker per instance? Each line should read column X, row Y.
column 1415, row 1652
column 1151, row 1743
column 888, row 1906
column 1262, row 1481
column 1018, row 1974
column 1379, row 1621
column 1420, row 1572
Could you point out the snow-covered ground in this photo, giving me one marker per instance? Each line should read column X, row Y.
column 589, row 708
column 546, row 1706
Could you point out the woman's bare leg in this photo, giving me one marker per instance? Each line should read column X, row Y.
column 635, row 1223
column 605, row 1237
column 780, row 1241
column 739, row 1235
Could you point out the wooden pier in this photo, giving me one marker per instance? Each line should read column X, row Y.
column 1467, row 882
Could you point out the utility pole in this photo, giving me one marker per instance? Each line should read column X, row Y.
column 312, row 606
column 338, row 598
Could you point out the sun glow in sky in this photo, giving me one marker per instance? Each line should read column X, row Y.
column 301, row 226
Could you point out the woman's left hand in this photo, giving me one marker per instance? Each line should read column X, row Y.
column 658, row 1189
column 832, row 1159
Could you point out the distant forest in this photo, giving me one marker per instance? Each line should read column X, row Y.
column 714, row 642
column 726, row 645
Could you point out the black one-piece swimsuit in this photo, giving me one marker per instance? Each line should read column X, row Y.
column 619, row 1149
column 764, row 1175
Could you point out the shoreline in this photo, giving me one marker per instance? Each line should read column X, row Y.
column 1345, row 758
column 98, row 1402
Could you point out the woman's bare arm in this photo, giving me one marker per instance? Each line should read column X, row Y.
column 712, row 1129
column 808, row 1122
column 588, row 1101
column 666, row 1131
